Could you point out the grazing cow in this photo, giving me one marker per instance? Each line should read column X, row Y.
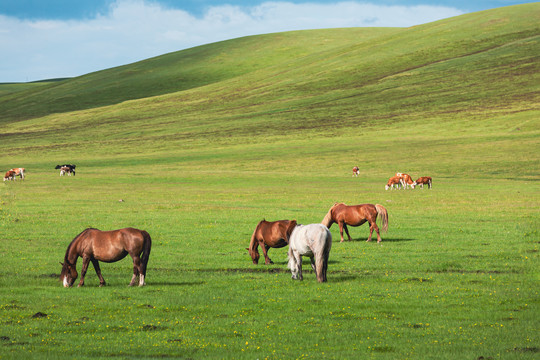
column 355, row 171
column 68, row 165
column 406, row 180
column 393, row 182
column 19, row 172
column 66, row 170
column 10, row 175
column 423, row 180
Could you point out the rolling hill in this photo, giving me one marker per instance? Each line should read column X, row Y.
column 460, row 78
column 314, row 61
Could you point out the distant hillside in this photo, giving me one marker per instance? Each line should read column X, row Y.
column 444, row 59
column 177, row 71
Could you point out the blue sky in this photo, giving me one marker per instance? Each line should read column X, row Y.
column 44, row 39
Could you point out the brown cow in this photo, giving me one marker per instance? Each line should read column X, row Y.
column 19, row 172
column 269, row 234
column 423, row 180
column 10, row 175
column 406, row 180
column 394, row 181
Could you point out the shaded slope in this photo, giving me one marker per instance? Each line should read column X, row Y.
column 177, row 71
column 461, row 71
column 304, row 63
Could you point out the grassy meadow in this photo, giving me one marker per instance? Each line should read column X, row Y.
column 202, row 144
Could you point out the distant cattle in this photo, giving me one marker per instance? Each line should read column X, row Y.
column 355, row 171
column 10, row 175
column 393, row 183
column 70, row 169
column 19, row 172
column 423, row 181
column 66, row 170
column 68, row 165
column 406, row 180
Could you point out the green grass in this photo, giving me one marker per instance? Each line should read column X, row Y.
column 275, row 135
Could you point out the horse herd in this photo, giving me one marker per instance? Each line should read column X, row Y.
column 313, row 241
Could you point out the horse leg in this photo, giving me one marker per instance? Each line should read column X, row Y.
column 341, row 230
column 265, row 248
column 373, row 225
column 98, row 272
column 86, row 261
column 313, row 266
column 347, row 231
column 298, row 259
column 136, row 270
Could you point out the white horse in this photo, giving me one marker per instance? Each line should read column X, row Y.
column 315, row 241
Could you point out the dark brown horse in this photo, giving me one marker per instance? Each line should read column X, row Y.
column 356, row 215
column 109, row 246
column 269, row 234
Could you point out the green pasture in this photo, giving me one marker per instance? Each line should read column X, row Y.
column 199, row 161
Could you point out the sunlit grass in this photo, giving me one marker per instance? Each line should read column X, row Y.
column 276, row 137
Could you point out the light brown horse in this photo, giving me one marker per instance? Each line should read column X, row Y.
column 269, row 234
column 109, row 246
column 356, row 215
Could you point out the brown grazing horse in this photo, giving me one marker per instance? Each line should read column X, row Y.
column 109, row 246
column 356, row 215
column 269, row 234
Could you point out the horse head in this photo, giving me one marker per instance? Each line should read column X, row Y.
column 69, row 274
column 254, row 253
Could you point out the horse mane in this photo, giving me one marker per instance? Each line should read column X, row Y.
column 73, row 242
column 327, row 221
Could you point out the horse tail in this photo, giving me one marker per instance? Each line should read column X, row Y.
column 147, row 246
column 321, row 258
column 381, row 210
column 328, row 221
column 290, row 228
column 254, row 244
column 292, row 262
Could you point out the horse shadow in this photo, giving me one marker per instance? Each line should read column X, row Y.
column 178, row 283
column 383, row 240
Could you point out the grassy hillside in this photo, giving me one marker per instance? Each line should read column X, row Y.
column 202, row 144
column 342, row 59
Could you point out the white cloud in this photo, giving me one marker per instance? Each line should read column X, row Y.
column 133, row 30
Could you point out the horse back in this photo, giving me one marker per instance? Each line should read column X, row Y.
column 275, row 233
column 355, row 215
column 113, row 245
